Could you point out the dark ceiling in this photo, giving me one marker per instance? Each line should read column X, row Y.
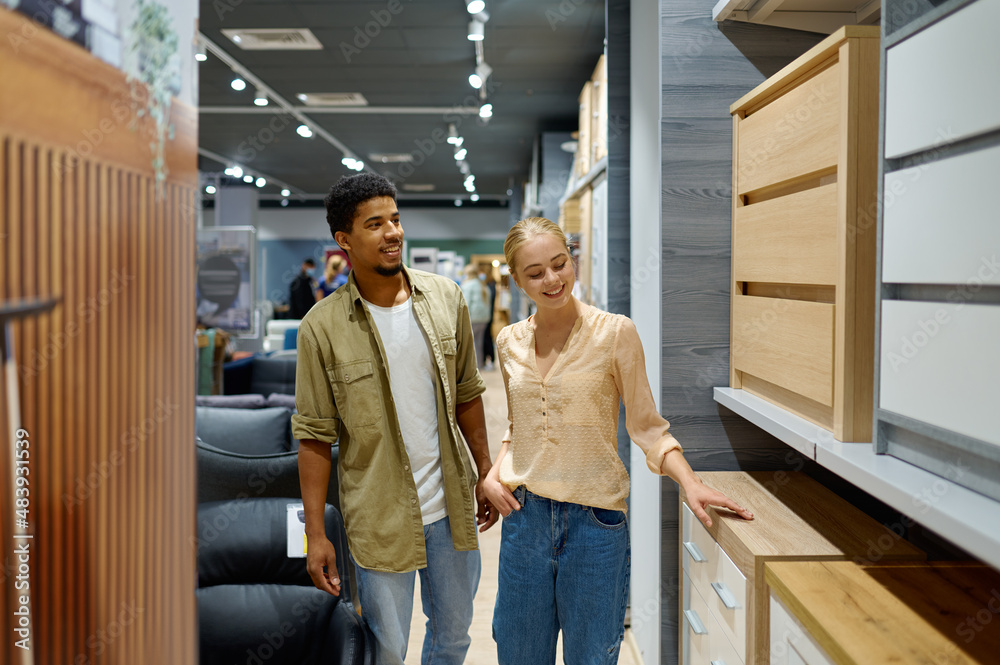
column 541, row 54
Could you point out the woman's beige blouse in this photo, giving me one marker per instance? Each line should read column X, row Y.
column 562, row 431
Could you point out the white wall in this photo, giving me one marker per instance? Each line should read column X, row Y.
column 646, row 296
column 418, row 223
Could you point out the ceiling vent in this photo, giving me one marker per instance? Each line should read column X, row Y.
column 418, row 188
column 332, row 99
column 274, row 39
column 390, row 158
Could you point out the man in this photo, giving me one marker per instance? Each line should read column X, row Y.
column 387, row 365
column 302, row 291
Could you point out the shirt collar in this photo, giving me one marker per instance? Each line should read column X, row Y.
column 352, row 286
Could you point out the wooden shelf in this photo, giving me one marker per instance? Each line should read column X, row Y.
column 968, row 519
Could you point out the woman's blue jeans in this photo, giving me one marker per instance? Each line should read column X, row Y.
column 565, row 567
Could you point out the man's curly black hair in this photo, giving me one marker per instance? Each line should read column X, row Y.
column 351, row 191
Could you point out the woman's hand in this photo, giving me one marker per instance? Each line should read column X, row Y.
column 497, row 493
column 700, row 496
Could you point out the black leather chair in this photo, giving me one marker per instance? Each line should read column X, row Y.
column 257, row 605
column 261, row 374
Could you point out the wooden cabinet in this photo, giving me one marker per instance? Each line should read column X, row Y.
column 842, row 613
column 724, row 599
column 805, row 145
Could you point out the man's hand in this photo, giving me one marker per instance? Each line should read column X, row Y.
column 486, row 514
column 321, row 554
column 501, row 498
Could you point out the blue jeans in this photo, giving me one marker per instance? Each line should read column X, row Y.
column 562, row 566
column 447, row 586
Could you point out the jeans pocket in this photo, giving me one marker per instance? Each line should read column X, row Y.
column 607, row 519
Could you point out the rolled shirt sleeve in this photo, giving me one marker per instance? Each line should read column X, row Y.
column 645, row 425
column 468, row 382
column 317, row 416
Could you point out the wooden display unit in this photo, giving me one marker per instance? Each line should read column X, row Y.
column 724, row 597
column 841, row 613
column 805, row 147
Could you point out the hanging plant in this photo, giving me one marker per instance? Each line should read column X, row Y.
column 152, row 61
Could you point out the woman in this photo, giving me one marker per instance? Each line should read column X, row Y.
column 558, row 480
column 333, row 277
column 477, row 298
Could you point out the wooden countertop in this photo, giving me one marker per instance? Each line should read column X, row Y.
column 902, row 613
column 797, row 517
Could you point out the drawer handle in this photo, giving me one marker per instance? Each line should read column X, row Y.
column 695, row 552
column 696, row 625
column 725, row 595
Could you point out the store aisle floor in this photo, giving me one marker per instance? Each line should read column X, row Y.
column 483, row 649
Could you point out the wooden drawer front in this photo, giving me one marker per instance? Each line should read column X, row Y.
column 728, row 603
column 932, row 94
column 929, row 349
column 722, row 651
column 795, row 135
column 698, row 623
column 700, row 552
column 786, row 342
column 790, row 644
column 940, row 221
column 788, row 240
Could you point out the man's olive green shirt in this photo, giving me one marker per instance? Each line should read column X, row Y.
column 342, row 392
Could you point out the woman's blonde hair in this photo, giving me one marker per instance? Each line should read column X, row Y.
column 334, row 264
column 524, row 231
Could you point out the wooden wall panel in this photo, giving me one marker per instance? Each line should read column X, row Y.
column 705, row 68
column 106, row 378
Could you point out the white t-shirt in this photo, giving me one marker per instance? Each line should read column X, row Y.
column 412, row 379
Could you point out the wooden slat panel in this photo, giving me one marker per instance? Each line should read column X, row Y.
column 792, row 239
column 114, row 504
column 786, row 342
column 792, row 137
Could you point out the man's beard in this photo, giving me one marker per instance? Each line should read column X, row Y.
column 390, row 271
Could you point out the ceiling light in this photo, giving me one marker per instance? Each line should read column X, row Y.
column 464, row 168
column 453, row 136
column 248, row 178
column 302, row 96
column 200, row 54
column 237, row 39
column 477, row 30
column 236, row 172
column 458, row 203
column 285, row 192
column 496, row 263
column 260, row 99
column 304, row 131
column 475, row 197
column 486, row 111
column 483, row 72
column 475, row 6
column 352, row 163
column 210, row 189
column 238, row 84
column 460, row 154
column 229, row 170
column 475, row 81
column 260, row 182
column 284, row 202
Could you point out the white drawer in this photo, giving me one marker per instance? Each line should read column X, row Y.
column 790, row 643
column 940, row 363
column 699, row 550
column 933, row 95
column 697, row 621
column 722, row 651
column 940, row 222
column 728, row 602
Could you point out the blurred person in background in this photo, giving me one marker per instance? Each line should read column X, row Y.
column 477, row 296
